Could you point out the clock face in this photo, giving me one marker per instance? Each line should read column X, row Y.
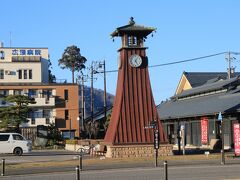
column 135, row 60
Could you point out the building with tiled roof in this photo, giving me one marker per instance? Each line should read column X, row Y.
column 203, row 102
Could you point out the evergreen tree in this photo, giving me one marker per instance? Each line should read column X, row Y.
column 72, row 59
column 16, row 113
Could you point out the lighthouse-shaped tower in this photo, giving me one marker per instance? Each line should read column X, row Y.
column 134, row 107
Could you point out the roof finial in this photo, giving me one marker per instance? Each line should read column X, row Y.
column 131, row 21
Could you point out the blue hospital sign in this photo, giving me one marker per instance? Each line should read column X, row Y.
column 37, row 52
column 29, row 52
column 22, row 52
column 14, row 52
column 26, row 52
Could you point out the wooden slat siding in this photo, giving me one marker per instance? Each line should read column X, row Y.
column 120, row 104
column 110, row 136
column 124, row 107
column 149, row 102
column 132, row 87
column 142, row 99
column 134, row 105
column 141, row 107
column 124, row 122
column 145, row 105
column 120, row 129
column 127, row 99
column 140, row 123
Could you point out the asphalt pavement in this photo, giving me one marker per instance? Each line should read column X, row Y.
column 198, row 172
column 68, row 163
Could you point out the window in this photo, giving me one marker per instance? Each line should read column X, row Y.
column 38, row 113
column 66, row 114
column 132, row 41
column 17, row 137
column 4, row 137
column 31, row 114
column 4, row 92
column 47, row 113
column 47, row 121
column 18, row 92
column 1, row 74
column 3, row 102
column 30, row 74
column 47, row 93
column 25, row 74
column 19, row 74
column 32, row 93
column 129, row 40
column 2, row 55
column 33, row 121
column 66, row 94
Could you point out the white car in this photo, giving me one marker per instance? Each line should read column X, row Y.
column 14, row 143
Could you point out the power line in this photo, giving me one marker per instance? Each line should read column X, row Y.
column 178, row 62
column 187, row 60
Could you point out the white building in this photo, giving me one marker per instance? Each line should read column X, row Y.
column 24, row 65
column 25, row 71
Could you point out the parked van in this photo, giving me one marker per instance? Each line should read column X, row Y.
column 14, row 143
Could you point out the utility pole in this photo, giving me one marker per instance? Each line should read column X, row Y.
column 230, row 59
column 105, row 91
column 81, row 79
column 82, row 94
column 92, row 105
column 102, row 67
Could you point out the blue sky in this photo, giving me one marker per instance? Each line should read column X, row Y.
column 185, row 29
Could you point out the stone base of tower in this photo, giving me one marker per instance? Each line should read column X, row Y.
column 125, row 151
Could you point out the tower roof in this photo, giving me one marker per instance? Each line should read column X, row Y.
column 134, row 29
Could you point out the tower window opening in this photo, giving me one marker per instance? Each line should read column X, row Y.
column 132, row 41
column 129, row 40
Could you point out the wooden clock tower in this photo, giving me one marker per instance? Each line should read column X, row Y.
column 134, row 107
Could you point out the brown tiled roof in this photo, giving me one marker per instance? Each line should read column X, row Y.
column 133, row 29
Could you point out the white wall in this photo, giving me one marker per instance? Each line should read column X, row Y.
column 39, row 68
column 38, row 121
column 14, row 67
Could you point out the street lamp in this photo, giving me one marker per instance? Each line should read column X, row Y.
column 70, row 128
